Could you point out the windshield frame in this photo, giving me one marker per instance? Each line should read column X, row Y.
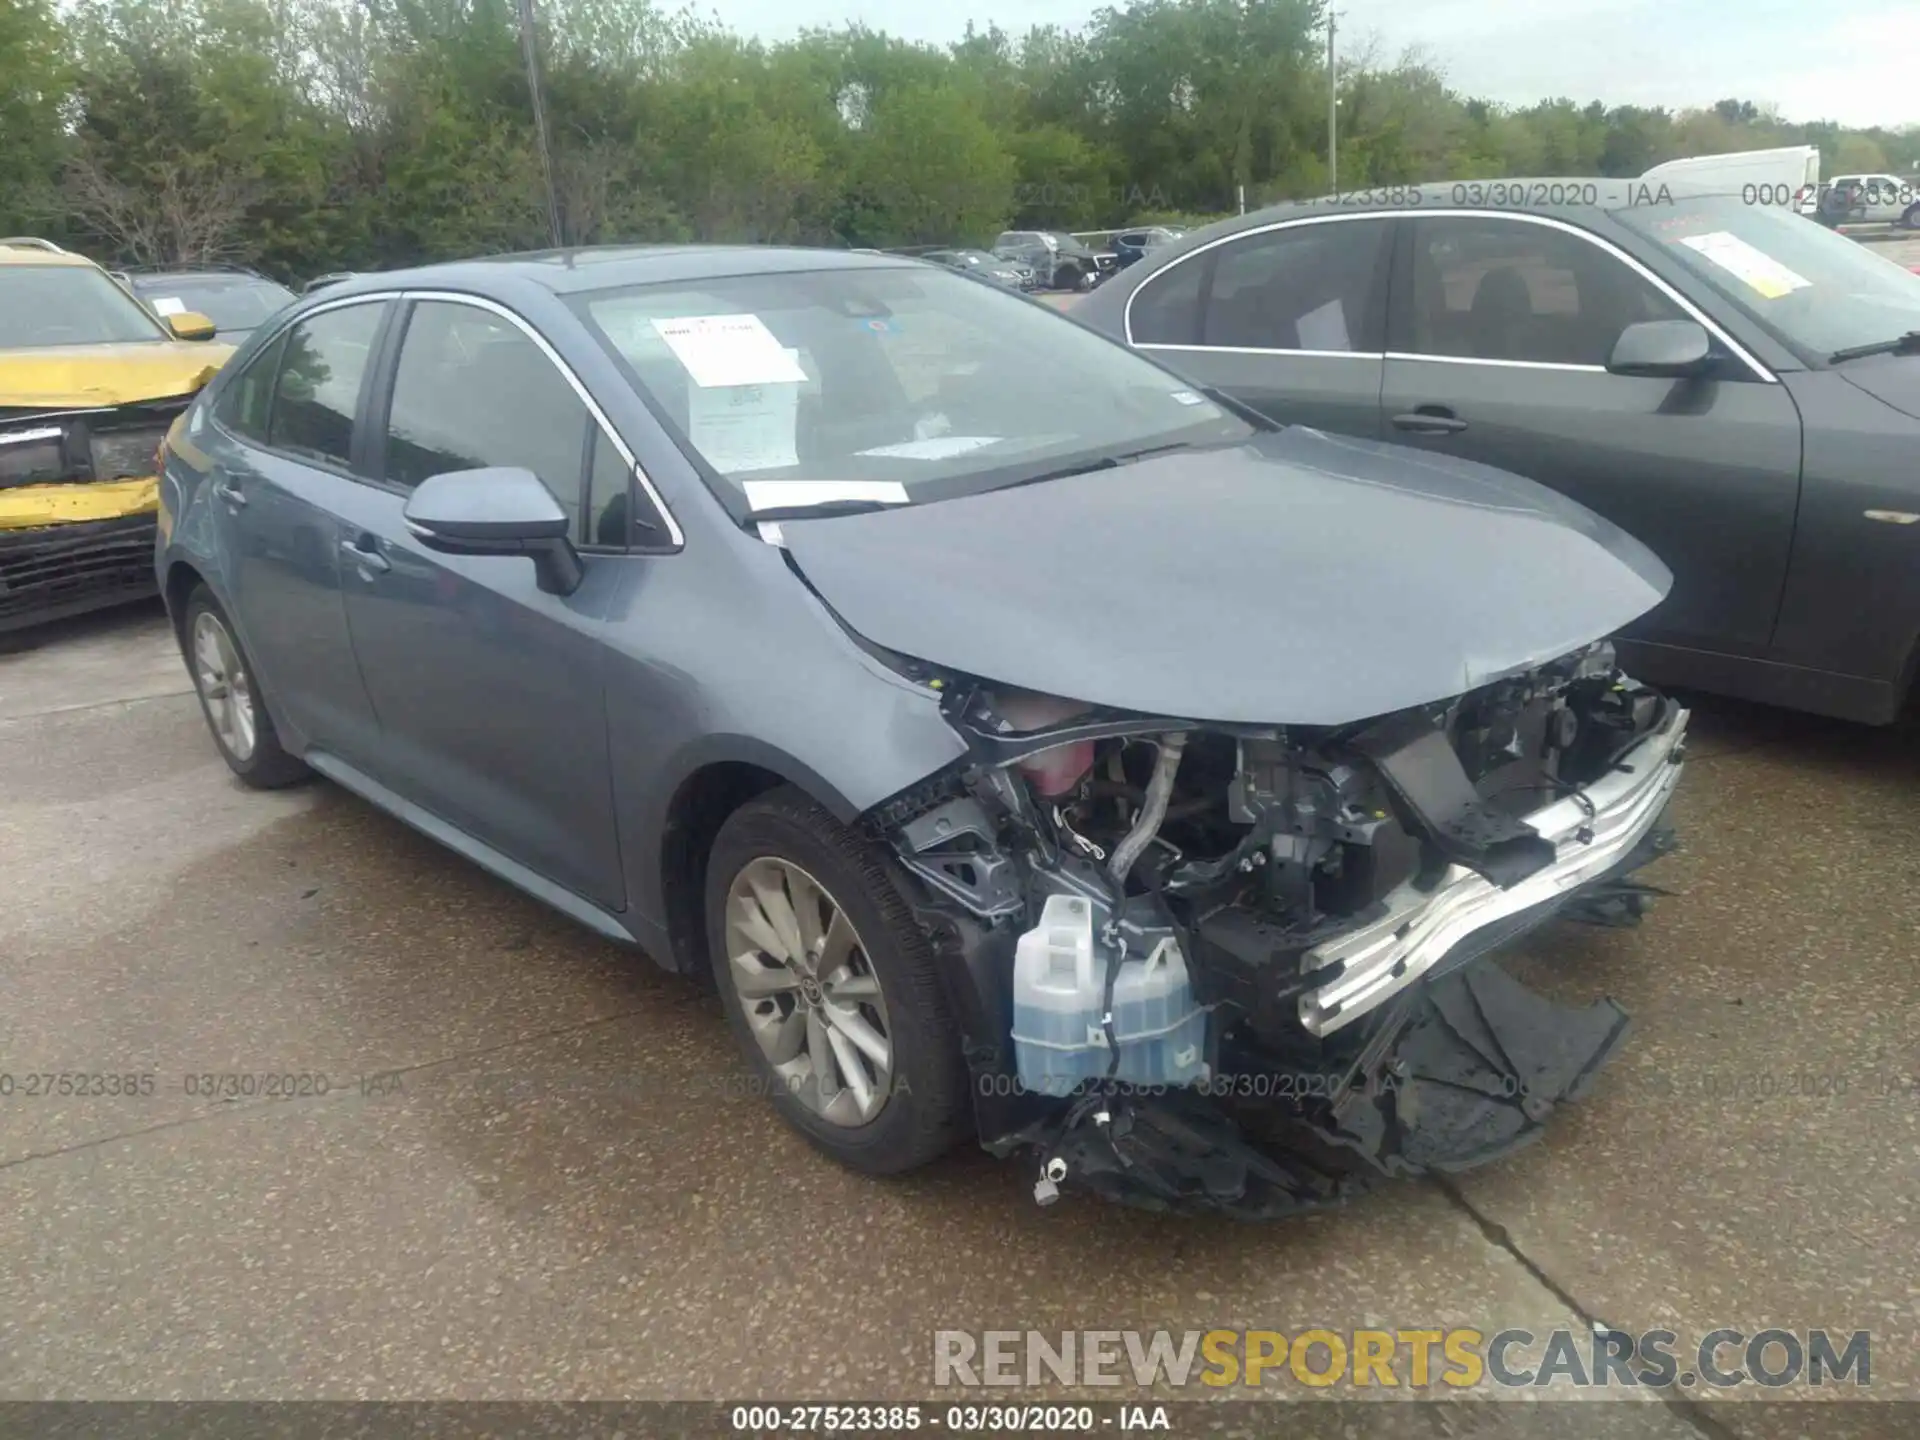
column 159, row 334
column 1636, row 223
column 1240, row 423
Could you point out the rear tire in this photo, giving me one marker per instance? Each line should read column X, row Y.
column 845, row 991
column 231, row 699
column 1911, row 219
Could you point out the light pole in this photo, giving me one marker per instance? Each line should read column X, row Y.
column 1333, row 111
column 539, row 119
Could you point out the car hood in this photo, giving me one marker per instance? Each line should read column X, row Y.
column 74, row 376
column 1894, row 380
column 1299, row 578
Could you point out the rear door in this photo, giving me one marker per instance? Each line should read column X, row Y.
column 284, row 454
column 1289, row 319
column 1501, row 328
column 488, row 690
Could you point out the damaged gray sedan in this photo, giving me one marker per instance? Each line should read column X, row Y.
column 1025, row 744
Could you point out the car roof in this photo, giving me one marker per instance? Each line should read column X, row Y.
column 1534, row 195
column 28, row 250
column 605, row 267
column 138, row 276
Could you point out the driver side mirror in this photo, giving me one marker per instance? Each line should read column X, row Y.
column 1668, row 348
column 190, row 325
column 500, row 510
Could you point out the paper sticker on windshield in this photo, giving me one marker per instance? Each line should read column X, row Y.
column 938, row 447
column 1759, row 271
column 777, row 494
column 1187, row 397
column 168, row 305
column 722, row 350
column 744, row 427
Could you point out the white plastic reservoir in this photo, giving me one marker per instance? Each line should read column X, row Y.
column 1059, row 997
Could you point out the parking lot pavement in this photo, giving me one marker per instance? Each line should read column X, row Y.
column 533, row 1171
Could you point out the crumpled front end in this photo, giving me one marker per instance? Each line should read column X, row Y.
column 1246, row 969
column 78, row 495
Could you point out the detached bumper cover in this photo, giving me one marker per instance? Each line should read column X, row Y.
column 62, row 570
column 1591, row 833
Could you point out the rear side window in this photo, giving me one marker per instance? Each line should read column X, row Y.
column 317, row 390
column 1307, row 287
column 246, row 402
column 473, row 391
column 1166, row 309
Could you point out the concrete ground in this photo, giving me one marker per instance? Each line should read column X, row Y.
column 559, row 1190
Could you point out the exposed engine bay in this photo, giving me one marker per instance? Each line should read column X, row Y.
column 1221, row 967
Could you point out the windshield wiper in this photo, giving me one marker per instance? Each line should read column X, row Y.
column 1105, row 462
column 823, row 508
column 1907, row 344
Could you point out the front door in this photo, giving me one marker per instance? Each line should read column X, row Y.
column 489, row 691
column 1500, row 332
column 281, row 454
column 1288, row 320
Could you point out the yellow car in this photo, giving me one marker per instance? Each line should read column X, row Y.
column 89, row 382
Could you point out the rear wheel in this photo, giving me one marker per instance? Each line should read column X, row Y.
column 1911, row 219
column 230, row 698
column 830, row 987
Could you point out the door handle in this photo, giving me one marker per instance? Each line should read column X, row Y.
column 1430, row 420
column 368, row 558
column 228, row 489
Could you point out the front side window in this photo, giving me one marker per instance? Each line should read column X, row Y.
column 472, row 391
column 317, row 390
column 912, row 383
column 1498, row 289
column 44, row 306
column 1307, row 287
column 1816, row 291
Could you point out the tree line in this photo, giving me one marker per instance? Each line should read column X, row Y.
column 300, row 136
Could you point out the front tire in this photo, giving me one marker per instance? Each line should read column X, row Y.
column 1911, row 219
column 230, row 698
column 830, row 987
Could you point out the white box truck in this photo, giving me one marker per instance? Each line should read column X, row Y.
column 1787, row 177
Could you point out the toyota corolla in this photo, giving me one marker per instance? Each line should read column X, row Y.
column 1091, row 767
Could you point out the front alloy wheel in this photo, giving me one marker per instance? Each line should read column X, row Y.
column 831, row 986
column 808, row 991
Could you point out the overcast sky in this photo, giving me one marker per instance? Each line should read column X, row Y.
column 1848, row 60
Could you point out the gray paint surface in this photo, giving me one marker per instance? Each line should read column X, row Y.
column 1299, row 579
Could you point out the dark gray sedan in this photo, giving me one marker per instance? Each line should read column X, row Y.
column 1736, row 387
column 1024, row 744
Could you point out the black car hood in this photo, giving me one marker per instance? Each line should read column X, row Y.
column 1894, row 380
column 1300, row 578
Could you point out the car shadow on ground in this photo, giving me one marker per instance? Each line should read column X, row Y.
column 78, row 628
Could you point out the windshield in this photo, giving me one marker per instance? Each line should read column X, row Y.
column 1814, row 290
column 232, row 302
column 43, row 305
column 897, row 385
